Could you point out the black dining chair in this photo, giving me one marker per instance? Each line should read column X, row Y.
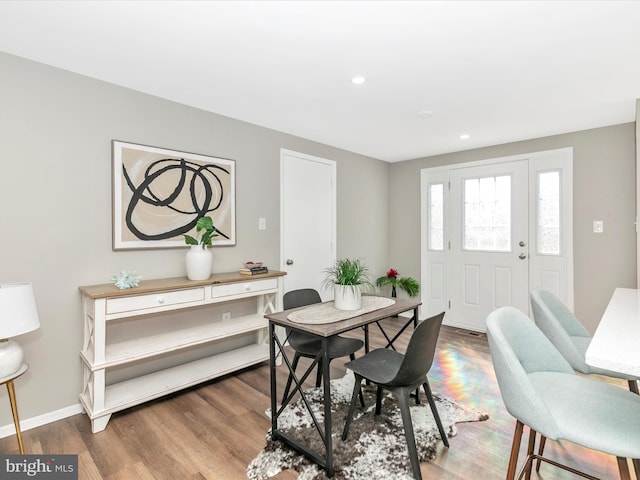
column 401, row 374
column 309, row 345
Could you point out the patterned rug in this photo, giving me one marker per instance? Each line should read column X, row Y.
column 376, row 447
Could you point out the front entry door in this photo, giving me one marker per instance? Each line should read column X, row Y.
column 489, row 251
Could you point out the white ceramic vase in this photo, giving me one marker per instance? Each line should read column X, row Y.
column 199, row 262
column 347, row 297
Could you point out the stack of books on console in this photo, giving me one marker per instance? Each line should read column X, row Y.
column 252, row 268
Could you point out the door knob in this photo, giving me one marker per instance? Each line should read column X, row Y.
column 289, row 261
column 522, row 256
column 522, row 244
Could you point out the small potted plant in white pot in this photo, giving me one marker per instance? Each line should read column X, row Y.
column 199, row 259
column 347, row 277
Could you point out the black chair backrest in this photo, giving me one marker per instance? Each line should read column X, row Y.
column 300, row 298
column 420, row 352
column 295, row 299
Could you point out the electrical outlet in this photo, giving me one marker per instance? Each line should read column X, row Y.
column 262, row 223
column 226, row 316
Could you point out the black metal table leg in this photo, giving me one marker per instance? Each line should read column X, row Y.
column 366, row 339
column 327, row 407
column 415, row 324
column 272, row 373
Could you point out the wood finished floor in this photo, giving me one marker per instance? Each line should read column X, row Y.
column 214, row 430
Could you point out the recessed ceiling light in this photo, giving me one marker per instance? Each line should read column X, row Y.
column 425, row 113
column 358, row 80
column 464, row 136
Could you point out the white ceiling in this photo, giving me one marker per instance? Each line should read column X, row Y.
column 497, row 71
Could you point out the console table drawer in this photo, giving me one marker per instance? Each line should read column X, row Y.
column 253, row 286
column 154, row 300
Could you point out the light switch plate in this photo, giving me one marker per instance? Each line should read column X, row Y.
column 598, row 226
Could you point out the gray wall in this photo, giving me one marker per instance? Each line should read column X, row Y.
column 604, row 189
column 55, row 190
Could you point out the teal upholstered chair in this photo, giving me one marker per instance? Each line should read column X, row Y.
column 568, row 335
column 541, row 390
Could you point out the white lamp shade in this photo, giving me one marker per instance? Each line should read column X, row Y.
column 18, row 312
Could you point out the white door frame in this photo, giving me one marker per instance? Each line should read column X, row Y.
column 561, row 160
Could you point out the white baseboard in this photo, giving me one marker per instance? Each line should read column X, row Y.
column 28, row 424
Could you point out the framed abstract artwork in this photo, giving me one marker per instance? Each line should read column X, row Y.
column 159, row 194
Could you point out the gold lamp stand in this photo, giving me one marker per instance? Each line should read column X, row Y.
column 8, row 381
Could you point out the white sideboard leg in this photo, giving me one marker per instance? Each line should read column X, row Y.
column 100, row 423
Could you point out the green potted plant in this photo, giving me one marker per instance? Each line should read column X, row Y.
column 199, row 259
column 205, row 230
column 408, row 284
column 347, row 277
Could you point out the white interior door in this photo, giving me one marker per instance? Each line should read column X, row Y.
column 308, row 220
column 489, row 242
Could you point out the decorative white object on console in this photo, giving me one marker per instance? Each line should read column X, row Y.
column 105, row 303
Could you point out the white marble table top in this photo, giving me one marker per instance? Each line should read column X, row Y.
column 616, row 343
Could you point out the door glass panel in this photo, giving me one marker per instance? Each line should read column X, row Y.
column 436, row 216
column 487, row 214
column 548, row 224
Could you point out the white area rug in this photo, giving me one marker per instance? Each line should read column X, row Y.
column 376, row 447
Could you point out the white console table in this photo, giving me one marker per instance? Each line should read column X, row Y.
column 105, row 303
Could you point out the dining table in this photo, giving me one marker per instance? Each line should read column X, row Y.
column 325, row 321
column 614, row 345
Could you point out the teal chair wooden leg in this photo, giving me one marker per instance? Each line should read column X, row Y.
column 515, row 450
column 530, row 448
column 543, row 440
column 623, row 468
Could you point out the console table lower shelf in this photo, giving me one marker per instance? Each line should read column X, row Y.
column 154, row 385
